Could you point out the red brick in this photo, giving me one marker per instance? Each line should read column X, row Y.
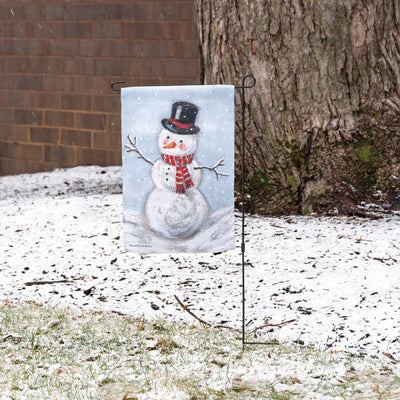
column 14, row 29
column 13, row 99
column 95, row 48
column 19, row 13
column 59, row 118
column 45, row 100
column 78, row 66
column 29, row 47
column 14, row 133
column 76, row 102
column 190, row 49
column 124, row 48
column 161, row 49
column 114, row 157
column 90, row 12
column 59, row 154
column 6, row 149
column 106, row 140
column 145, row 30
column 76, row 138
column 67, row 80
column 7, row 47
column 58, row 83
column 159, row 11
column 114, row 122
column 181, row 68
column 10, row 166
column 179, row 30
column 12, row 2
column 187, row 11
column 95, row 85
column 186, row 30
column 107, row 29
column 180, row 81
column 44, row 135
column 111, row 103
column 5, row 13
column 61, row 47
column 145, row 67
column 14, row 64
column 28, row 117
column 28, row 151
column 91, row 157
column 46, row 29
column 40, row 166
column 57, row 12
column 109, row 67
column 91, row 121
column 129, row 12
column 78, row 30
column 6, row 115
column 45, row 65
column 161, row 30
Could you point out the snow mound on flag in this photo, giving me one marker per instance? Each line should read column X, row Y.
column 213, row 236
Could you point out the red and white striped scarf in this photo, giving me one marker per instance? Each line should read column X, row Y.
column 182, row 174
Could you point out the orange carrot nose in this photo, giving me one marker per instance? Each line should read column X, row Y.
column 170, row 145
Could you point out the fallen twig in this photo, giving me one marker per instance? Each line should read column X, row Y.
column 382, row 260
column 12, row 337
column 361, row 213
column 190, row 312
column 357, row 239
column 46, row 282
column 268, row 324
column 389, row 356
column 185, row 308
column 346, row 237
column 395, row 245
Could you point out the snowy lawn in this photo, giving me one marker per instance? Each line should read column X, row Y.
column 66, row 354
column 337, row 279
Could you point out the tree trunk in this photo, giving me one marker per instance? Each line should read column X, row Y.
column 324, row 116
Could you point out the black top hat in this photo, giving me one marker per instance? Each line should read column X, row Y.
column 183, row 117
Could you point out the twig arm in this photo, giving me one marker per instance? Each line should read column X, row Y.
column 133, row 147
column 220, row 163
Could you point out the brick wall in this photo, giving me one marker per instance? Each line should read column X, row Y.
column 57, row 60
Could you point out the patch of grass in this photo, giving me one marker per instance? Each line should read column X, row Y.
column 52, row 353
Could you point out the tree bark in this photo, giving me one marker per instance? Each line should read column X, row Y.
column 324, row 117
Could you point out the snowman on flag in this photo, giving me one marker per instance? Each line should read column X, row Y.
column 175, row 208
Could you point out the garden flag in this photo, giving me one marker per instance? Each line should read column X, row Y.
column 178, row 168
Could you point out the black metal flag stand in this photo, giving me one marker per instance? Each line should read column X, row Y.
column 243, row 87
column 243, row 246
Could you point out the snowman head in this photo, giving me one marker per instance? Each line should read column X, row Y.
column 174, row 144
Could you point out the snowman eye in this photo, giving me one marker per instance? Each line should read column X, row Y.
column 167, row 137
column 181, row 141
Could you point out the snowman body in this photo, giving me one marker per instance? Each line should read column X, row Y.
column 176, row 209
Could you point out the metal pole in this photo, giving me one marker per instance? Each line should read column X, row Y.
column 243, row 87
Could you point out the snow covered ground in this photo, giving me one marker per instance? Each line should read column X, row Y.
column 337, row 277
